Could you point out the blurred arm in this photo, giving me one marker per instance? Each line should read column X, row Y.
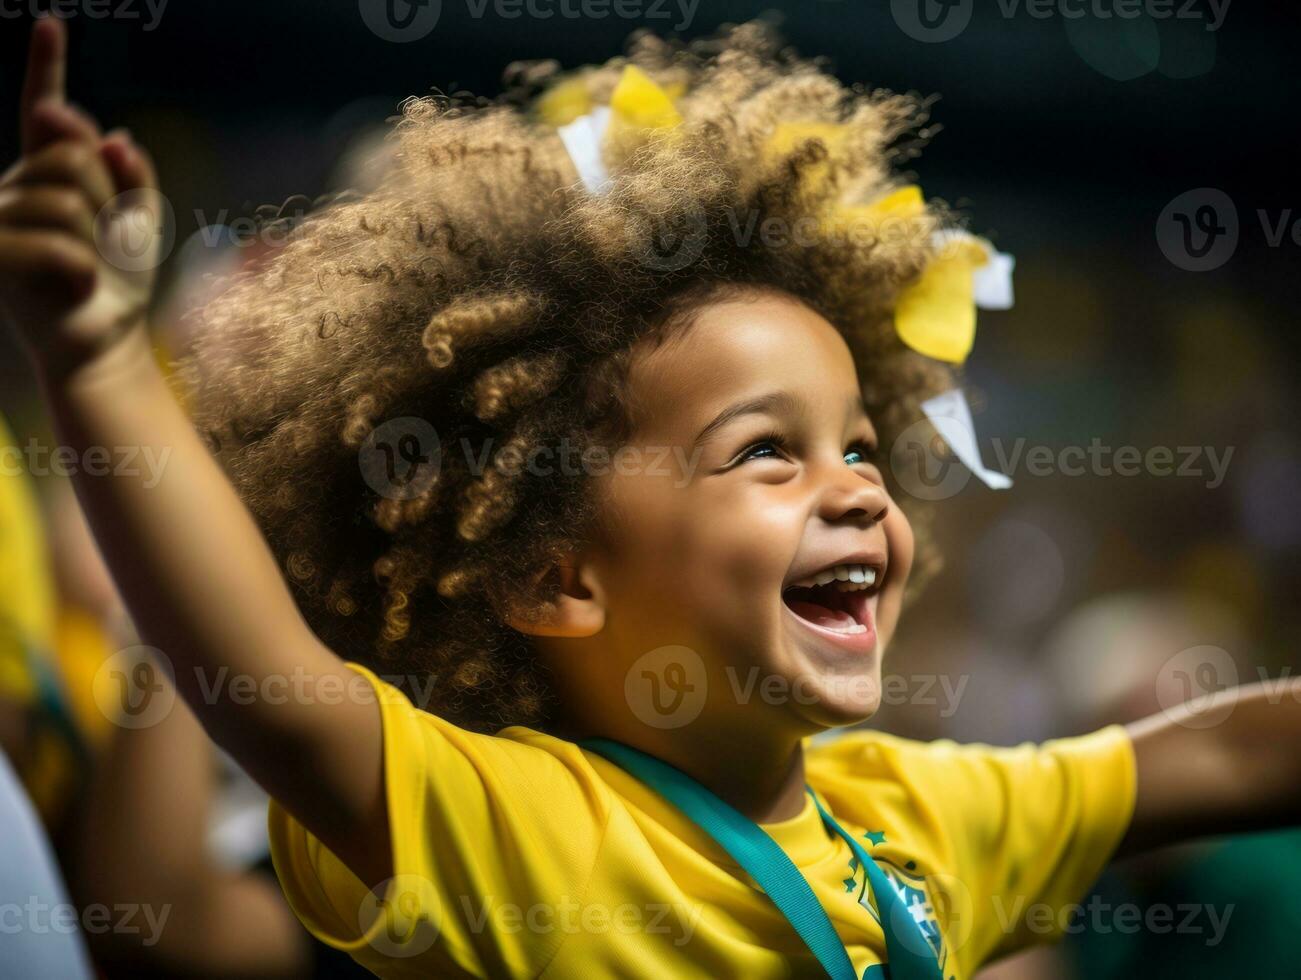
column 1223, row 764
column 142, row 840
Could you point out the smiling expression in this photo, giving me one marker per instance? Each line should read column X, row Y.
column 777, row 553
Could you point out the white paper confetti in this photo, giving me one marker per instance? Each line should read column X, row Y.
column 583, row 138
column 993, row 282
column 951, row 416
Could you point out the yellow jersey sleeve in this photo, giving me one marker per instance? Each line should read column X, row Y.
column 1008, row 839
column 488, row 832
column 1029, row 827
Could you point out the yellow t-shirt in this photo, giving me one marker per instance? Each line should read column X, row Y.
column 521, row 855
column 26, row 588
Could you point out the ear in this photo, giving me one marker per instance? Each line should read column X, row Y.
column 576, row 609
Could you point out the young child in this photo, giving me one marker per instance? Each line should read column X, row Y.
column 579, row 451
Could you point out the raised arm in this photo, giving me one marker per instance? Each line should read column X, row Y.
column 195, row 572
column 1222, row 764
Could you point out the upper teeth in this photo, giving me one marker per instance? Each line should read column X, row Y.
column 849, row 578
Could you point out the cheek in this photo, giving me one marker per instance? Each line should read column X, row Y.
column 899, row 538
column 902, row 545
column 751, row 533
column 702, row 547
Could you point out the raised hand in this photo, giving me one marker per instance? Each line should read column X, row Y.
column 80, row 222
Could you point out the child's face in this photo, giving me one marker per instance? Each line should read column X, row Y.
column 760, row 397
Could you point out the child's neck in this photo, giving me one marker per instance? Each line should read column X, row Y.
column 766, row 790
column 763, row 779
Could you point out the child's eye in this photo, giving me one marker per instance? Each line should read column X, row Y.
column 860, row 453
column 768, row 448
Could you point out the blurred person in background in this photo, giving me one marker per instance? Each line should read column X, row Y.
column 30, row 878
column 141, row 809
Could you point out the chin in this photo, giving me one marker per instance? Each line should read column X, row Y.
column 832, row 690
column 841, row 709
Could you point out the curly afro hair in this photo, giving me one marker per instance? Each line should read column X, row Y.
column 479, row 287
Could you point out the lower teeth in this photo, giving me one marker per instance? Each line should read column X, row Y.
column 856, row 628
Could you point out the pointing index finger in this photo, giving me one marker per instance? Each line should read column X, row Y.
column 46, row 72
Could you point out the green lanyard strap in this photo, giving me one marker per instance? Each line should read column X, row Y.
column 910, row 954
column 765, row 862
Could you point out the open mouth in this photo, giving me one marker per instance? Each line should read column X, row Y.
column 837, row 600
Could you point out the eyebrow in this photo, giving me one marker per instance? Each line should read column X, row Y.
column 773, row 403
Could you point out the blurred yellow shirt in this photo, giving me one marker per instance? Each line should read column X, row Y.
column 521, row 855
column 27, row 600
column 49, row 649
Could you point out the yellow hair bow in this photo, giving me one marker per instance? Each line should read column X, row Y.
column 638, row 107
column 636, row 97
column 564, row 102
column 936, row 315
column 639, row 104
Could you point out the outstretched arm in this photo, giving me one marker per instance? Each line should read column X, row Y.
column 195, row 572
column 1226, row 763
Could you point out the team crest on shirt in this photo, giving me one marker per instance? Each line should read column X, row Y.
column 911, row 887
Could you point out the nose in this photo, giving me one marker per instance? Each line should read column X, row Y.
column 849, row 496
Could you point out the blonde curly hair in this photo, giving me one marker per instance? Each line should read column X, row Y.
column 481, row 288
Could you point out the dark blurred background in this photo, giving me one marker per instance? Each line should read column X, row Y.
column 1075, row 143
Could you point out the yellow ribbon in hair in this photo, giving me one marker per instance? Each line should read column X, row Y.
column 637, row 102
column 906, row 202
column 936, row 315
column 638, row 106
column 564, row 102
column 786, row 137
column 600, row 137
